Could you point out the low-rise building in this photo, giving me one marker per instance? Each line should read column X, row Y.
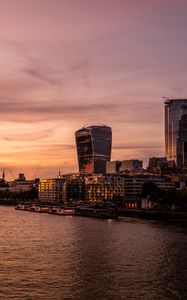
column 76, row 189
column 130, row 166
column 53, row 190
column 160, row 165
column 133, row 184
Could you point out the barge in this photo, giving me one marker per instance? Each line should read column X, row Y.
column 96, row 212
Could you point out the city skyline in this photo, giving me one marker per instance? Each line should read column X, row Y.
column 69, row 63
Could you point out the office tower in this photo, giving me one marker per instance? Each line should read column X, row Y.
column 174, row 109
column 93, row 148
column 182, row 142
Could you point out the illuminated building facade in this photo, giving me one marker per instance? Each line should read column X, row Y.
column 103, row 188
column 174, row 109
column 93, row 148
column 53, row 190
column 78, row 189
column 91, row 188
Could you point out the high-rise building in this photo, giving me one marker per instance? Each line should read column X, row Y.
column 182, row 143
column 93, row 148
column 174, row 109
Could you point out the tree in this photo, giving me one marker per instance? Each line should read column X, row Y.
column 147, row 188
column 157, row 195
column 170, row 198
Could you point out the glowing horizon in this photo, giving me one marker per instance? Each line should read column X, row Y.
column 69, row 63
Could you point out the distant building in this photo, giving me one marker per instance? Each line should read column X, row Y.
column 21, row 184
column 21, row 177
column 160, row 165
column 132, row 166
column 93, row 148
column 155, row 164
column 174, row 109
column 3, row 183
column 113, row 167
column 182, row 143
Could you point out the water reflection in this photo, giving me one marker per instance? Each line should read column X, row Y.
column 53, row 257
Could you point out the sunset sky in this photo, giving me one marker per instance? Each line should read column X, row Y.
column 67, row 63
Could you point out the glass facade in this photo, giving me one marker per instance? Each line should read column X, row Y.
column 93, row 148
column 182, row 142
column 174, row 109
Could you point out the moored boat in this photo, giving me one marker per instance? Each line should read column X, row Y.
column 34, row 208
column 44, row 209
column 39, row 209
column 53, row 210
column 65, row 212
column 103, row 213
column 22, row 207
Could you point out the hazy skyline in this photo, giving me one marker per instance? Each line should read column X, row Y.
column 67, row 63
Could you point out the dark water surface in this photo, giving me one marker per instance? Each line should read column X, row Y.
column 55, row 257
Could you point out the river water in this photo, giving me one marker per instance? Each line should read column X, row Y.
column 54, row 257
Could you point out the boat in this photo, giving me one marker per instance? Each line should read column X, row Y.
column 66, row 211
column 97, row 212
column 39, row 209
column 24, row 207
column 55, row 210
column 34, row 208
column 44, row 209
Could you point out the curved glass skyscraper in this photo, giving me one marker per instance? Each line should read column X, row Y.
column 93, row 148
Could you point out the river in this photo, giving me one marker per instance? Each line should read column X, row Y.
column 54, row 257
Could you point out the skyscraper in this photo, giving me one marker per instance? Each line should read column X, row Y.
column 93, row 148
column 182, row 142
column 174, row 109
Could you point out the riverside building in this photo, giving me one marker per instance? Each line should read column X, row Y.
column 133, row 184
column 53, row 190
column 77, row 189
column 93, row 148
